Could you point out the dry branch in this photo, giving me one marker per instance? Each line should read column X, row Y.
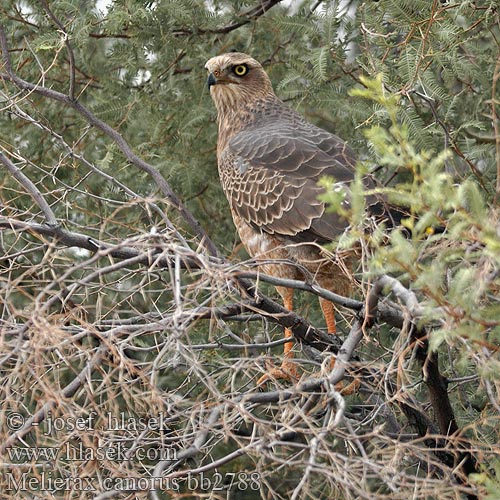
column 68, row 392
column 436, row 384
column 50, row 218
column 140, row 310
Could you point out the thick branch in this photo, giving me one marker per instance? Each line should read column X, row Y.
column 436, row 383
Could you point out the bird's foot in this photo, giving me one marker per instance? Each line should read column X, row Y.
column 351, row 388
column 287, row 371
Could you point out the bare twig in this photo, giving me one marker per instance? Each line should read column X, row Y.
column 71, row 57
column 68, row 392
column 115, row 136
column 247, row 17
column 495, row 102
column 34, row 192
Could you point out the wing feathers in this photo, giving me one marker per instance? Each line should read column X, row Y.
column 270, row 172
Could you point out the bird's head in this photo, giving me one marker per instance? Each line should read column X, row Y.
column 235, row 79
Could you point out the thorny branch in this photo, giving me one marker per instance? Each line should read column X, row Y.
column 436, row 383
column 113, row 134
column 264, row 426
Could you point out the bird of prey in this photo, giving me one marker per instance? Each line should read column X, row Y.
column 270, row 160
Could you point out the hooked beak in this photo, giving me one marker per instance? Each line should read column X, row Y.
column 211, row 80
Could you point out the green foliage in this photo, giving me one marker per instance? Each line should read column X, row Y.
column 421, row 120
column 489, row 479
column 452, row 269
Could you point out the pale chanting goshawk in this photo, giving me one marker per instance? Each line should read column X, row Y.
column 270, row 160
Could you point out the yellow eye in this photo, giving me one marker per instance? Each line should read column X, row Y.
column 240, row 70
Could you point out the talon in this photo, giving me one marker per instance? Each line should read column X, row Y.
column 349, row 389
column 287, row 371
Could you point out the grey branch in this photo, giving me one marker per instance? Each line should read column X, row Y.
column 33, row 191
column 115, row 136
column 69, row 50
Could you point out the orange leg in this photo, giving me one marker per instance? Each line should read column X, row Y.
column 329, row 313
column 288, row 369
